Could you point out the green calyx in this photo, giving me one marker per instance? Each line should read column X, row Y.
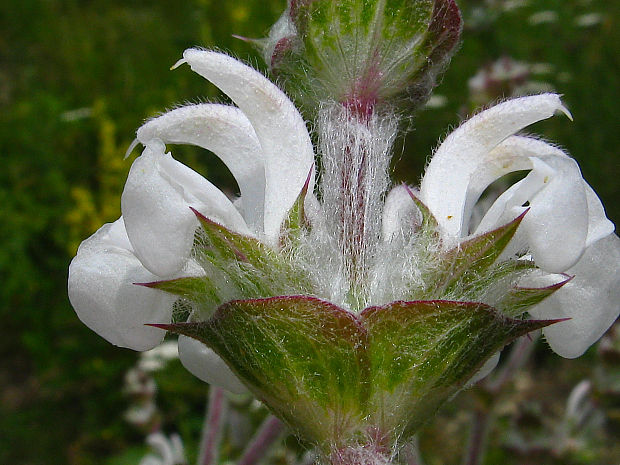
column 238, row 266
column 363, row 53
column 340, row 379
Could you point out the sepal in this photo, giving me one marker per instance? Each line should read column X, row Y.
column 519, row 299
column 303, row 357
column 468, row 263
column 429, row 225
column 296, row 224
column 339, row 379
column 247, row 260
column 363, row 53
column 195, row 288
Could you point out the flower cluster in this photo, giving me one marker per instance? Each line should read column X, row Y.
column 544, row 246
column 353, row 310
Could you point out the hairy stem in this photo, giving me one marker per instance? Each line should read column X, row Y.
column 356, row 154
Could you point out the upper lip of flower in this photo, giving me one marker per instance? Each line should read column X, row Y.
column 264, row 142
column 565, row 215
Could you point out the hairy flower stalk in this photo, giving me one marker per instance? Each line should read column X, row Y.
column 355, row 155
column 352, row 310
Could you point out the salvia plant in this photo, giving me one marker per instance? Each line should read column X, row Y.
column 353, row 309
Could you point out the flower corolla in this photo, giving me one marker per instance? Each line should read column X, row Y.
column 565, row 230
column 262, row 140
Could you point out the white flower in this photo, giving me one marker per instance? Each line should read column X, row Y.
column 265, row 144
column 565, row 229
column 169, row 451
column 101, row 290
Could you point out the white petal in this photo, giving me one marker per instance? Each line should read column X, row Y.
column 207, row 366
column 400, row 213
column 105, row 298
column 591, row 300
column 281, row 130
column 598, row 225
column 557, row 224
column 513, row 154
column 464, row 165
column 155, row 205
column 225, row 131
column 509, row 205
column 556, row 227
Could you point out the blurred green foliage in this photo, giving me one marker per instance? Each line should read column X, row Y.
column 77, row 77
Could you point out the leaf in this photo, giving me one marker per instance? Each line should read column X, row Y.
column 519, row 299
column 336, row 377
column 191, row 288
column 295, row 225
column 421, row 353
column 470, row 259
column 303, row 357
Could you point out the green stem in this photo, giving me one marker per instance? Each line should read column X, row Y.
column 213, row 426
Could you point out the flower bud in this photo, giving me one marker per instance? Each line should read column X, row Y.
column 363, row 53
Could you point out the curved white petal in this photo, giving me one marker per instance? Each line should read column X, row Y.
column 281, row 130
column 400, row 213
column 513, row 154
column 225, row 131
column 207, row 366
column 591, row 300
column 464, row 164
column 509, row 205
column 104, row 296
column 556, row 226
column 155, row 205
column 563, row 214
column 598, row 226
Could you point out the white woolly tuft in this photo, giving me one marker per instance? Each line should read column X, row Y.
column 344, row 258
column 355, row 157
column 360, row 455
